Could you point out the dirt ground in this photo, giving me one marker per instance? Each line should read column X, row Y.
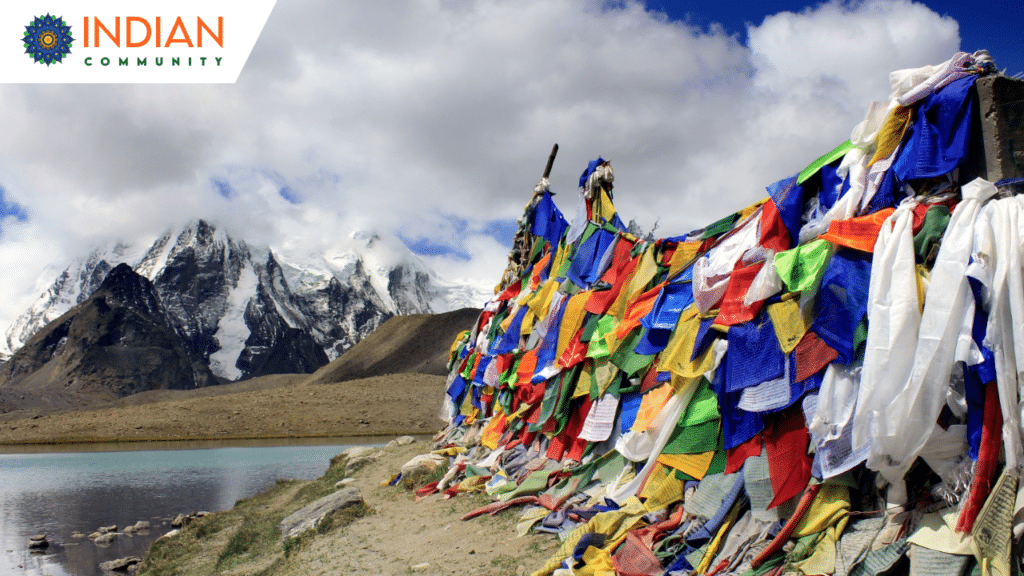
column 272, row 407
column 427, row 537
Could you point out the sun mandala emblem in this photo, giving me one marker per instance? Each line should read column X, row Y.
column 47, row 39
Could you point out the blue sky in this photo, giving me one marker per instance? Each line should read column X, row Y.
column 10, row 209
column 430, row 122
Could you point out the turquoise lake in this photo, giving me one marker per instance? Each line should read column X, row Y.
column 59, row 493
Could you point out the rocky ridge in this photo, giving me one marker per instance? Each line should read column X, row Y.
column 246, row 310
column 118, row 342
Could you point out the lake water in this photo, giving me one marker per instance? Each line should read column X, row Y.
column 62, row 493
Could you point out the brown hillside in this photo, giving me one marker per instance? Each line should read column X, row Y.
column 417, row 343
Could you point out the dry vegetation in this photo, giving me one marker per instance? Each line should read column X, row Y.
column 275, row 407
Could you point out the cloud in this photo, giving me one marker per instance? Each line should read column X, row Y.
column 834, row 51
column 415, row 116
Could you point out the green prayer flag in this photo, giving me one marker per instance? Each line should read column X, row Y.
column 693, row 439
column 719, row 461
column 703, row 407
column 837, row 153
column 589, row 327
column 626, row 358
column 801, row 268
column 680, row 475
column 935, row 221
column 598, row 345
column 720, row 227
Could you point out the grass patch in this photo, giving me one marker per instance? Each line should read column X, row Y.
column 505, row 563
column 207, row 545
column 254, row 537
column 322, row 486
column 164, row 557
column 210, row 526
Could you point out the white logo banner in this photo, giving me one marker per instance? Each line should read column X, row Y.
column 126, row 41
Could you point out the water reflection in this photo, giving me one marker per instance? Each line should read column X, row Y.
column 63, row 493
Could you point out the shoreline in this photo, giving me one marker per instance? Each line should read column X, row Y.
column 391, row 531
column 201, row 443
column 132, row 441
column 393, row 405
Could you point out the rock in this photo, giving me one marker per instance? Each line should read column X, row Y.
column 355, row 464
column 421, row 566
column 357, row 452
column 392, row 444
column 344, row 482
column 120, row 565
column 180, row 521
column 170, row 534
column 105, row 539
column 77, row 535
column 105, row 529
column 405, row 440
column 138, row 527
column 422, row 466
column 310, row 516
column 38, row 542
column 95, row 535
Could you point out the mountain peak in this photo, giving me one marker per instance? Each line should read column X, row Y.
column 115, row 343
column 245, row 310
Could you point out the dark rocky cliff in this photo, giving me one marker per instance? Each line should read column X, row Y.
column 118, row 342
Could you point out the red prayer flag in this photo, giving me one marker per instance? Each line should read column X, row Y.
column 732, row 311
column 786, row 440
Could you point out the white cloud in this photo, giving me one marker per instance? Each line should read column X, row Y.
column 835, row 52
column 399, row 115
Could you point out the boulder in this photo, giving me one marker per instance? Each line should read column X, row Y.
column 105, row 539
column 357, row 452
column 422, row 466
column 138, row 527
column 356, row 463
column 170, row 534
column 310, row 516
column 38, row 542
column 120, row 565
column 405, row 440
column 180, row 521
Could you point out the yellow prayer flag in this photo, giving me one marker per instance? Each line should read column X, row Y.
column 789, row 323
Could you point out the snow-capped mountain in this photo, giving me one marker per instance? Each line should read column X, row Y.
column 252, row 310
